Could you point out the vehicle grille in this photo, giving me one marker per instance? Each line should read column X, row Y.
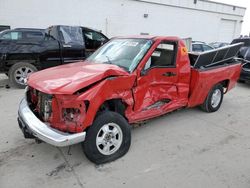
column 45, row 106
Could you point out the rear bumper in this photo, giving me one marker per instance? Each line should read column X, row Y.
column 32, row 127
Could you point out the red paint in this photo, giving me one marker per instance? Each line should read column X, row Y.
column 202, row 82
column 138, row 92
column 67, row 79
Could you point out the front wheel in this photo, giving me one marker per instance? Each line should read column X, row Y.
column 214, row 99
column 108, row 138
column 19, row 72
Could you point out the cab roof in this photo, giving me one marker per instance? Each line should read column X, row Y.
column 151, row 37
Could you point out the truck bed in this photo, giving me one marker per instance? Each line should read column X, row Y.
column 211, row 68
column 202, row 81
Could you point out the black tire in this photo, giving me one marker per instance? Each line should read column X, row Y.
column 242, row 81
column 208, row 105
column 90, row 146
column 14, row 70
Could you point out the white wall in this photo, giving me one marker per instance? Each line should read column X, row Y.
column 200, row 21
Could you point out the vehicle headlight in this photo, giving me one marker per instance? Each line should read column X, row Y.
column 71, row 114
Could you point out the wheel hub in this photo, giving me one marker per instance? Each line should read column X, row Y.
column 216, row 98
column 21, row 75
column 109, row 138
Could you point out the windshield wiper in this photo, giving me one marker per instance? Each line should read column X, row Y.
column 109, row 61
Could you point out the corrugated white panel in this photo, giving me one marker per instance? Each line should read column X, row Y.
column 203, row 5
column 227, row 30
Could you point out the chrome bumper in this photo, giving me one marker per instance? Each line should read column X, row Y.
column 31, row 125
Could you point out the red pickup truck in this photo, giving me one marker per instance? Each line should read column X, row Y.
column 126, row 81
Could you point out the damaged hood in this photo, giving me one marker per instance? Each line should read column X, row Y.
column 67, row 79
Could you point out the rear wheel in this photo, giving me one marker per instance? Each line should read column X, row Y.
column 108, row 138
column 19, row 72
column 214, row 99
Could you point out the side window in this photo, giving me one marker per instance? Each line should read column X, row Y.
column 207, row 48
column 14, row 35
column 197, row 48
column 93, row 35
column 163, row 56
column 99, row 37
column 34, row 35
column 93, row 39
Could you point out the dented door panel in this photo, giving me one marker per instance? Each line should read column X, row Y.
column 157, row 89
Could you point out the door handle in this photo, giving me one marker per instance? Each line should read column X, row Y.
column 67, row 46
column 169, row 74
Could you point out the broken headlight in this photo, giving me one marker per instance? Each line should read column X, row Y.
column 71, row 114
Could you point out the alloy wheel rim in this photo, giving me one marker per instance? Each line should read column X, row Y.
column 216, row 98
column 21, row 75
column 109, row 138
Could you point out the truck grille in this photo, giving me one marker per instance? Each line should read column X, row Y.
column 45, row 105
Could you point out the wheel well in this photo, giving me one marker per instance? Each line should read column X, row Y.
column 10, row 63
column 225, row 84
column 115, row 105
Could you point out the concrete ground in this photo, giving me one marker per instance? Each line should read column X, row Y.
column 185, row 149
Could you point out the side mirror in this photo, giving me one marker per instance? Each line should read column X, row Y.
column 143, row 72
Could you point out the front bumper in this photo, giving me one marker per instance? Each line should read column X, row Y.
column 33, row 127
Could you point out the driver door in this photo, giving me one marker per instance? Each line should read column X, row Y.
column 156, row 90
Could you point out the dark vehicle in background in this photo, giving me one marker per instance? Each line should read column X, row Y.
column 245, row 40
column 4, row 27
column 218, row 44
column 22, row 34
column 245, row 73
column 244, row 53
column 201, row 47
column 23, row 51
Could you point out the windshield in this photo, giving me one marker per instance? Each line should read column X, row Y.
column 125, row 53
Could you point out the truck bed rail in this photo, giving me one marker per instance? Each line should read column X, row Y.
column 214, row 57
